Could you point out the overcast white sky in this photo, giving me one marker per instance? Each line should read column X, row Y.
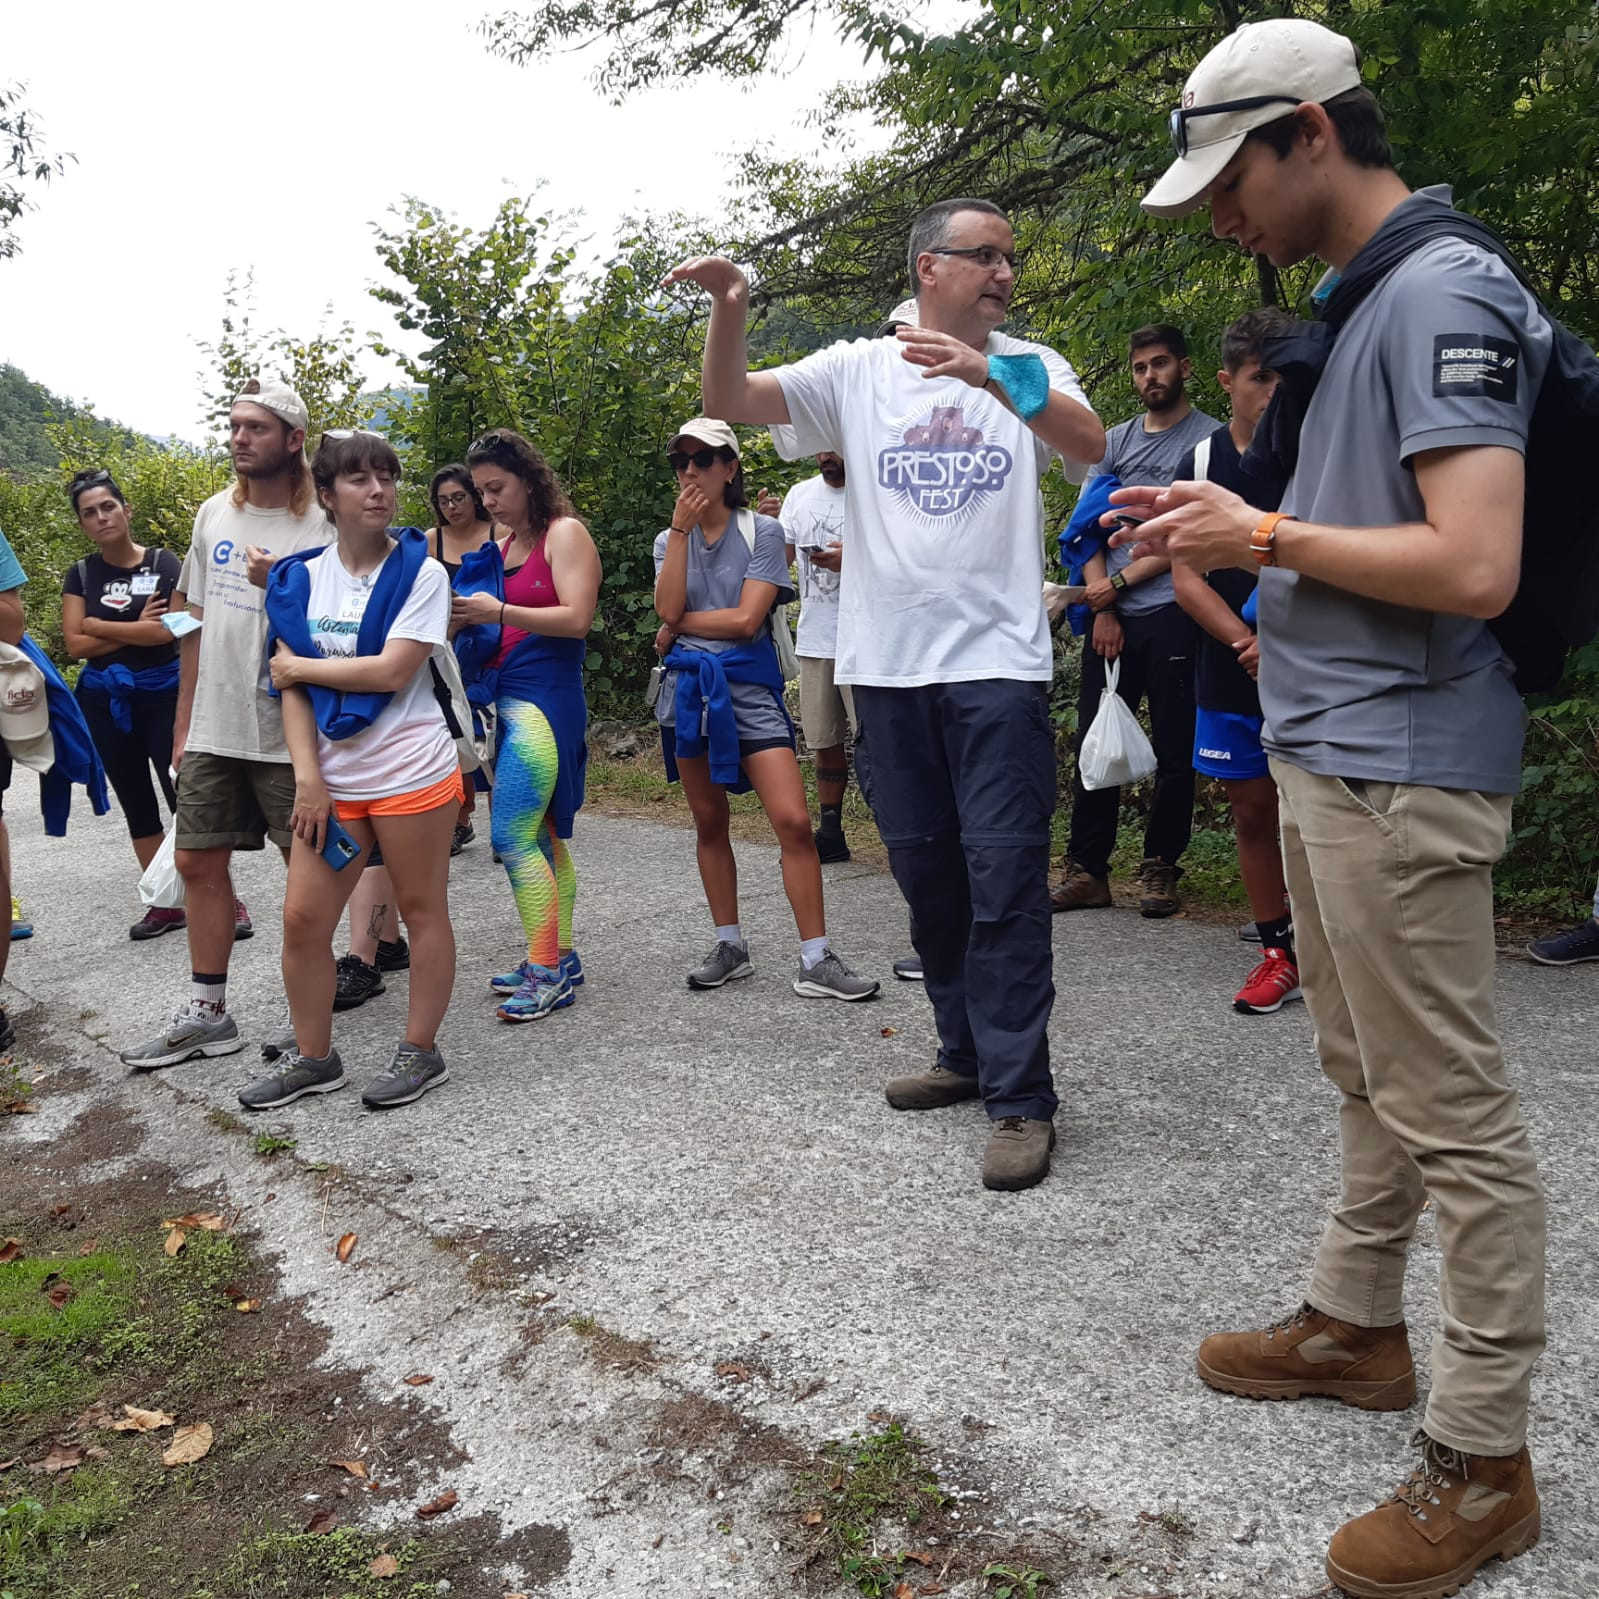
column 203, row 132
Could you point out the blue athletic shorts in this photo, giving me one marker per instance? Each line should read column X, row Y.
column 1227, row 745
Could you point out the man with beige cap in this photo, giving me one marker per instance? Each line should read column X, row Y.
column 1394, row 732
column 235, row 782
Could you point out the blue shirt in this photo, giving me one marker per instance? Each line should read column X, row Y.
column 11, row 574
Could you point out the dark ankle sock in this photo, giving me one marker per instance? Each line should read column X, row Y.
column 1275, row 935
column 832, row 819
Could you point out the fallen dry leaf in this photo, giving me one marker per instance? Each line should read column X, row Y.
column 811, row 1518
column 918, row 1557
column 436, row 1507
column 903, row 1590
column 17, row 1107
column 888, row 1032
column 176, row 1239
column 247, row 1306
column 58, row 1291
column 136, row 1420
column 346, row 1244
column 735, row 1369
column 62, row 1457
column 417, row 1379
column 6, row 1465
column 10, row 1250
column 89, row 1247
column 203, row 1220
column 356, row 1468
column 878, row 1415
column 188, row 1445
column 95, row 1416
column 322, row 1521
column 384, row 1566
column 932, row 1588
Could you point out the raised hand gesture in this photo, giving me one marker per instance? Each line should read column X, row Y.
column 718, row 276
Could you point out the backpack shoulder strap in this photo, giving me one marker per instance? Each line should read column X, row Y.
column 1202, row 458
column 745, row 518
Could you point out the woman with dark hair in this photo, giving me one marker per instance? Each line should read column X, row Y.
column 720, row 569
column 352, row 628
column 552, row 585
column 112, row 603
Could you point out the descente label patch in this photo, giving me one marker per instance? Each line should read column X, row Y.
column 1475, row 366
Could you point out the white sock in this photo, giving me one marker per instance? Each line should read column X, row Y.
column 211, row 997
column 729, row 934
column 812, row 950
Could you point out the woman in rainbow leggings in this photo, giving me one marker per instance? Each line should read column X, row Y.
column 551, row 589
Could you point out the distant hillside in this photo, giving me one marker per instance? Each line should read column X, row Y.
column 25, row 407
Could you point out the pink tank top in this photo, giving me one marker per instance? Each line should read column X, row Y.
column 532, row 585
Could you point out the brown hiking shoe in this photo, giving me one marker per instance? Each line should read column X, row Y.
column 1454, row 1513
column 930, row 1090
column 1018, row 1153
column 1312, row 1354
column 1158, row 888
column 1079, row 890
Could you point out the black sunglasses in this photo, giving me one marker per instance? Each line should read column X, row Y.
column 486, row 445
column 679, row 462
column 1181, row 117
column 88, row 480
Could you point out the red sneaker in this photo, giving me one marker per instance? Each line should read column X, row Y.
column 243, row 927
column 157, row 921
column 1270, row 986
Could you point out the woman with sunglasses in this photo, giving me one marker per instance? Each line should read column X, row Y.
column 552, row 585
column 720, row 569
column 352, row 628
column 112, row 603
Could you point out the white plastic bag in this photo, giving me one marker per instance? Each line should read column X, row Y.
column 1115, row 752
column 162, row 885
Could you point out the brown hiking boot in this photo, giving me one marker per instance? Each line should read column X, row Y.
column 1158, row 888
column 1454, row 1513
column 930, row 1090
column 1079, row 890
column 1312, row 1354
column 1018, row 1153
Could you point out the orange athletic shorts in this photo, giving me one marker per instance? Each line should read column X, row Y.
column 447, row 791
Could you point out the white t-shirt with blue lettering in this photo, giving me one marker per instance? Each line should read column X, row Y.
column 945, row 558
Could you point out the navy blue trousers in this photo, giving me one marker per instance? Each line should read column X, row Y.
column 961, row 780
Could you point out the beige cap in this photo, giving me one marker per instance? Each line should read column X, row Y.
column 278, row 398
column 1285, row 63
column 705, row 431
column 904, row 315
column 25, row 711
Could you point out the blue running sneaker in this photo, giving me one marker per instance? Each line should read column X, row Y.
column 509, row 982
column 541, row 992
column 572, row 968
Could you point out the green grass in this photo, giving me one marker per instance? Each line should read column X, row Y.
column 68, row 1347
column 290, row 1565
column 269, row 1144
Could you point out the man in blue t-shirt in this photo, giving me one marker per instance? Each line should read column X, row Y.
column 1139, row 625
column 11, row 629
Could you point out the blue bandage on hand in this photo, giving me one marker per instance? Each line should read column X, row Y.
column 1025, row 380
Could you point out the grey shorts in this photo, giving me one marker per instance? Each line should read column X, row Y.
column 826, row 709
column 225, row 802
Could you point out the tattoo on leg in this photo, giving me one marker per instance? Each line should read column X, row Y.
column 374, row 926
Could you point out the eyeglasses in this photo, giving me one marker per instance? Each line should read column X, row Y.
column 1181, row 117
column 987, row 256
column 486, row 445
column 679, row 462
column 448, row 502
column 89, row 480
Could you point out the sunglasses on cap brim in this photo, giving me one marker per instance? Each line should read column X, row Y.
column 1184, row 115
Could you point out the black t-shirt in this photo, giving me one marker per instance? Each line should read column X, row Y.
column 118, row 594
column 1220, row 683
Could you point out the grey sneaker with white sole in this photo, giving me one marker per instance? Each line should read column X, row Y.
column 830, row 978
column 292, row 1078
column 411, row 1072
column 722, row 965
column 193, row 1032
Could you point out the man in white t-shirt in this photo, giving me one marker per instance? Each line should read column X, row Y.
column 235, row 783
column 949, row 427
column 812, row 515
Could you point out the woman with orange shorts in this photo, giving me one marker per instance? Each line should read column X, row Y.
column 351, row 631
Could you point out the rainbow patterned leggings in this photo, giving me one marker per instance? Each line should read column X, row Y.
column 543, row 878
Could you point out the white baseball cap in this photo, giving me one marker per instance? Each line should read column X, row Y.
column 1254, row 76
column 25, row 712
column 277, row 397
column 703, row 430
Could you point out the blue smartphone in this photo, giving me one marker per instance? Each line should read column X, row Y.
column 338, row 848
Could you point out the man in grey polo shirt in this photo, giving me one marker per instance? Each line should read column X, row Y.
column 1395, row 738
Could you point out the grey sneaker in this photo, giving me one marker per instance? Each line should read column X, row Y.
column 722, row 965
column 830, row 978
column 292, row 1078
column 411, row 1072
column 908, row 969
column 193, row 1032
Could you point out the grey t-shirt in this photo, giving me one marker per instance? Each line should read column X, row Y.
column 1450, row 350
column 1139, row 457
column 716, row 574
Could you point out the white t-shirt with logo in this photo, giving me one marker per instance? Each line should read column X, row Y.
column 942, row 580
column 233, row 712
column 408, row 746
column 813, row 518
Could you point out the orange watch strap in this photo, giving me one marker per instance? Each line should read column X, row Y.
column 1263, row 541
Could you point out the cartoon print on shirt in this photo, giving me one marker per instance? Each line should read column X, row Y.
column 117, row 595
column 943, row 467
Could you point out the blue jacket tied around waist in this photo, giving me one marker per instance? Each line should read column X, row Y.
column 339, row 714
column 702, row 695
column 548, row 673
column 120, row 683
